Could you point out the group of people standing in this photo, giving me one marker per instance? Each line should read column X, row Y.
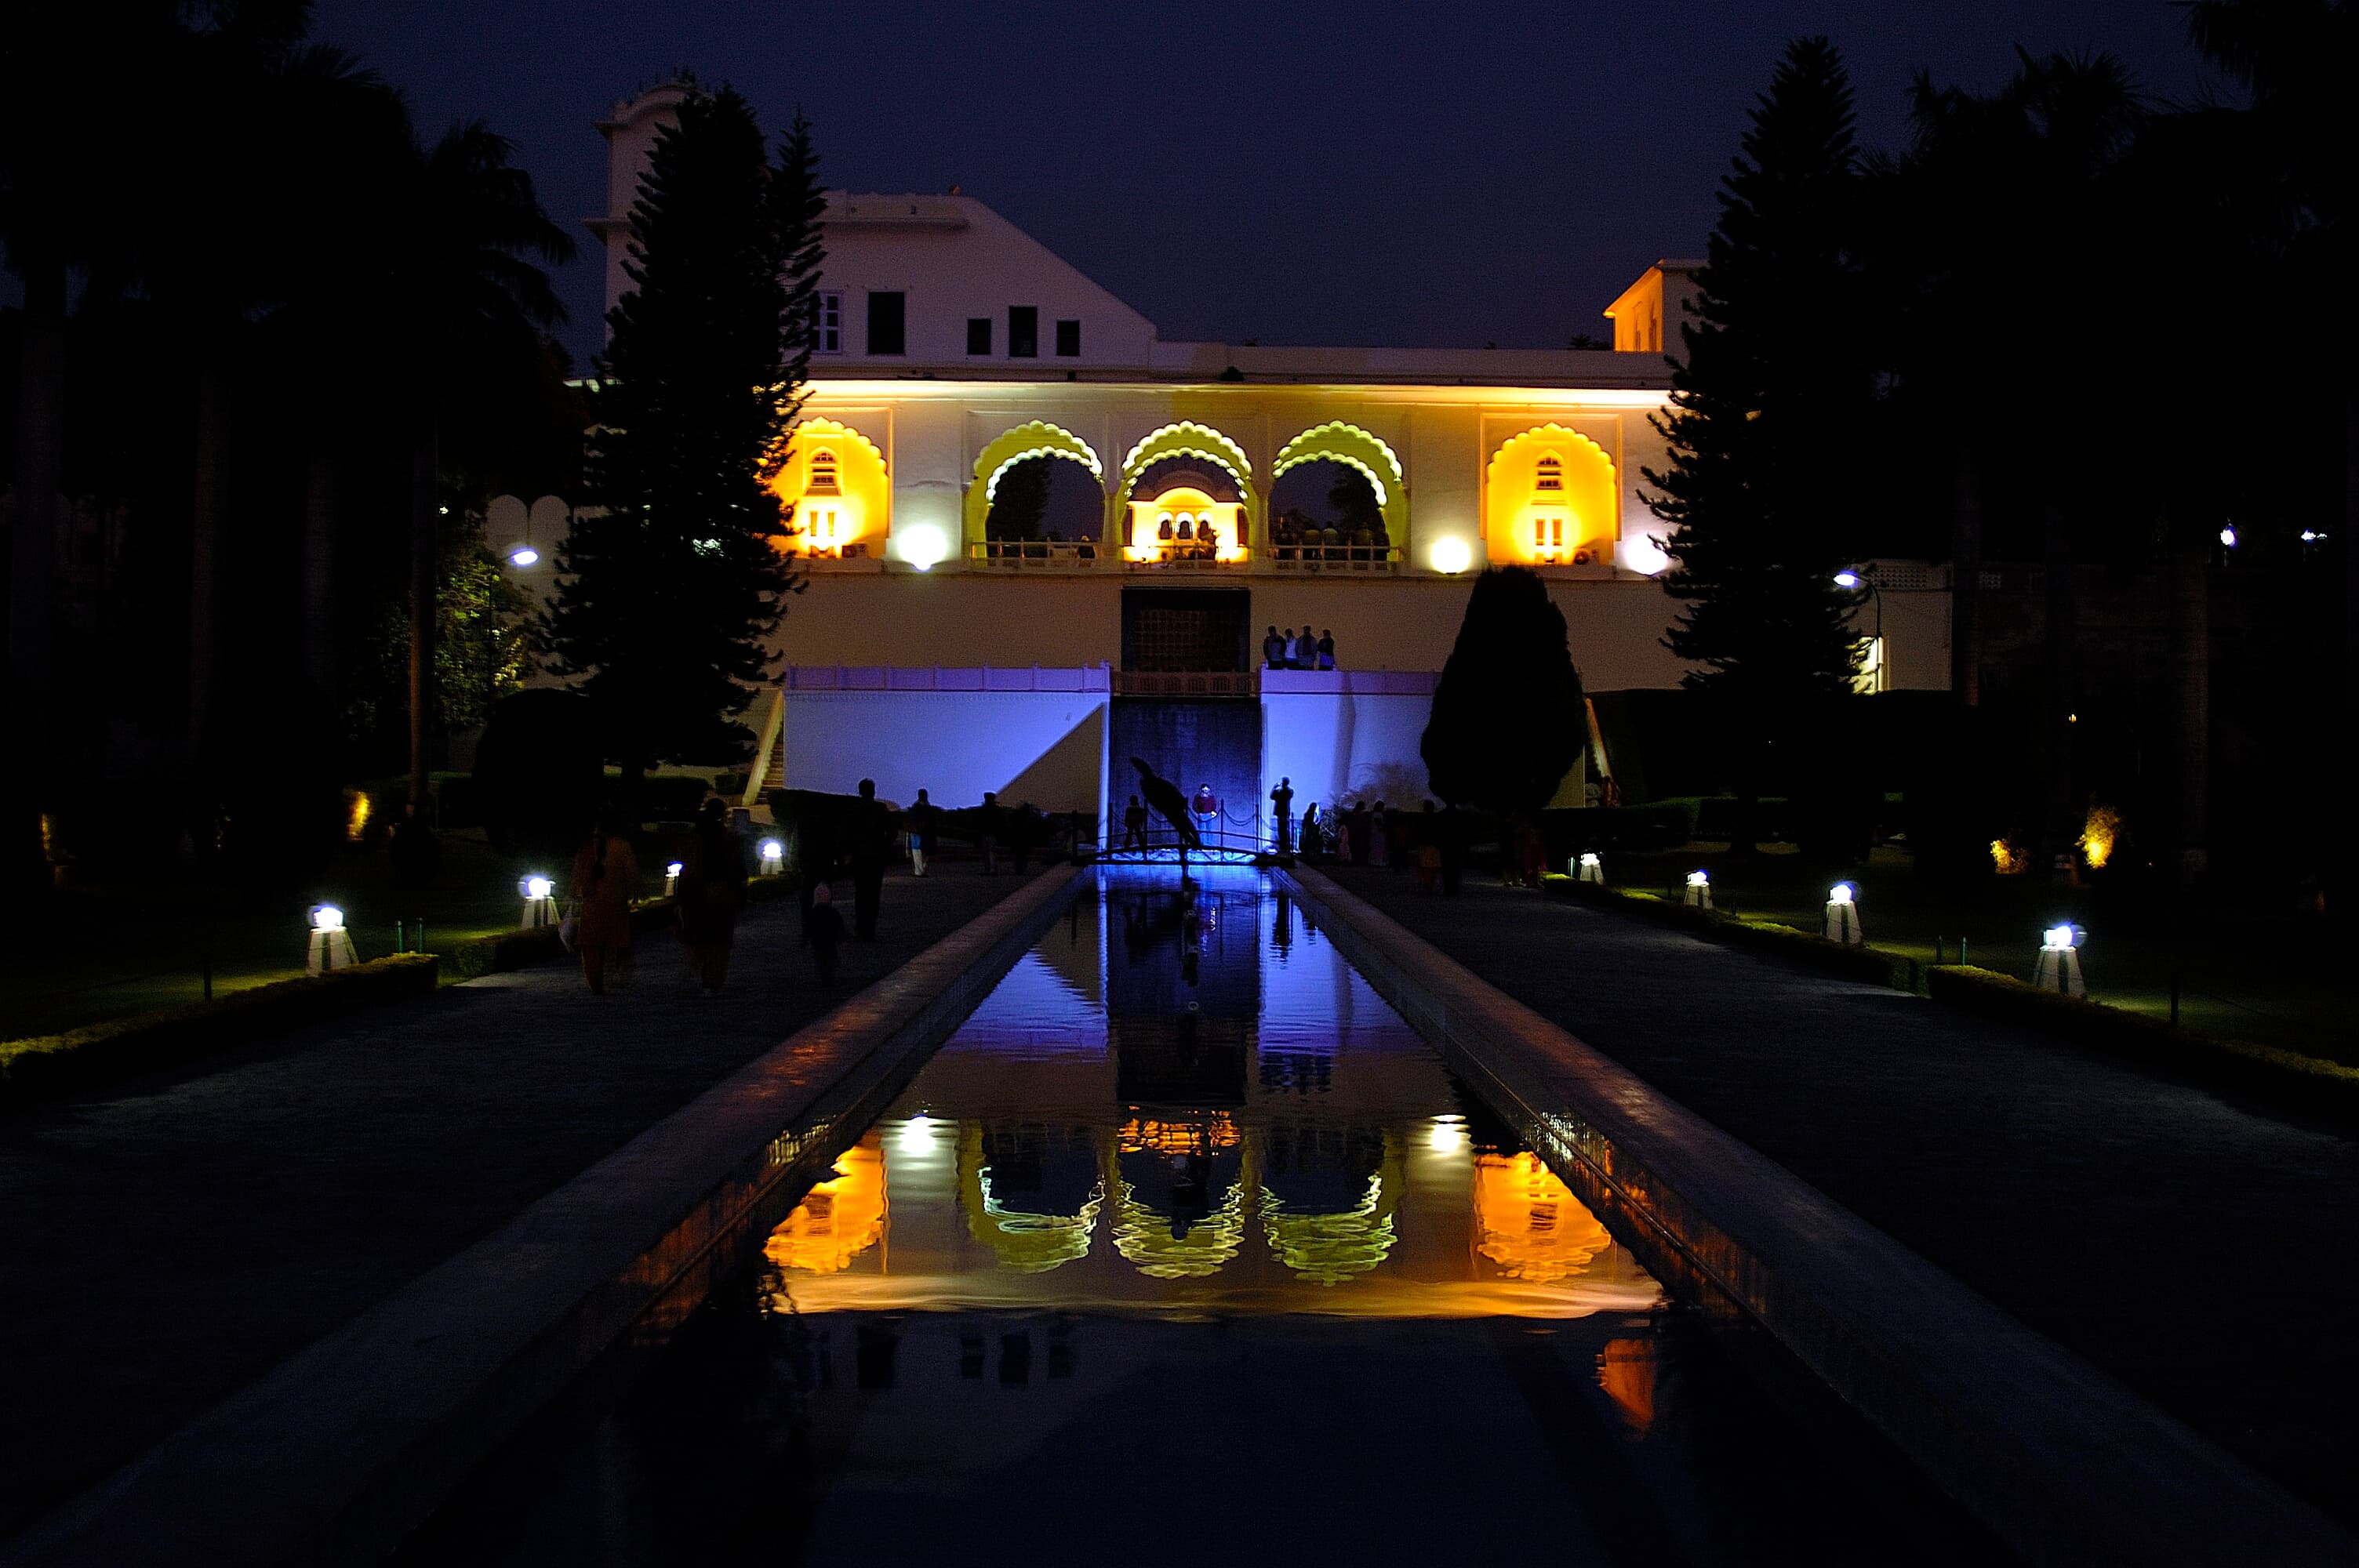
column 709, row 892
column 1292, row 650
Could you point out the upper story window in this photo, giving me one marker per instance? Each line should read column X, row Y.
column 1068, row 339
column 978, row 334
column 1023, row 331
column 827, row 322
column 1550, row 476
column 888, row 322
column 823, row 477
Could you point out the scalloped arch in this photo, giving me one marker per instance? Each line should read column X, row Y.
column 1187, row 438
column 1340, row 442
column 867, row 480
column 1037, row 438
column 1590, row 481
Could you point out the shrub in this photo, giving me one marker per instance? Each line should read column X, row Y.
column 670, row 797
column 268, row 806
column 48, row 1063
column 538, row 776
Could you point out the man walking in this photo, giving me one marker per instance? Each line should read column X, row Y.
column 993, row 827
column 921, row 819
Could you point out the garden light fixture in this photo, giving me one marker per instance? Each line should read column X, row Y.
column 331, row 945
column 1699, row 893
column 2059, row 960
column 1846, row 579
column 2228, row 538
column 1842, row 915
column 774, row 856
column 1590, row 869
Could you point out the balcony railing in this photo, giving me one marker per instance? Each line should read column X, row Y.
column 1187, row 683
column 1038, row 555
column 1308, row 558
column 1179, row 557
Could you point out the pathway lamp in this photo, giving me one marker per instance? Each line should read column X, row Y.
column 1854, row 581
column 1699, row 893
column 331, row 945
column 1589, row 868
column 2059, row 960
column 2228, row 538
column 539, row 902
column 1842, row 915
column 774, row 856
column 672, row 877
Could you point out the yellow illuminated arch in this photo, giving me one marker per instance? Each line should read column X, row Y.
column 1188, row 439
column 857, row 517
column 1037, row 439
column 841, row 1218
column 1578, row 514
column 1026, row 1242
column 1337, row 442
column 1531, row 1224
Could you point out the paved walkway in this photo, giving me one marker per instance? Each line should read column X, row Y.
column 2200, row 1246
column 169, row 1241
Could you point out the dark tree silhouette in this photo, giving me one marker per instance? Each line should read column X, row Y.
column 1771, row 394
column 669, row 589
column 1508, row 721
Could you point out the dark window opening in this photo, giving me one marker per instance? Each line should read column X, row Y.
column 1024, row 331
column 888, row 323
column 1068, row 339
column 978, row 334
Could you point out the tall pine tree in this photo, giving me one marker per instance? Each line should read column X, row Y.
column 1772, row 388
column 676, row 574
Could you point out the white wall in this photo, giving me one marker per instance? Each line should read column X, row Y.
column 1343, row 743
column 1045, row 747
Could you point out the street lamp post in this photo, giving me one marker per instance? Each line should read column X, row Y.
column 1852, row 579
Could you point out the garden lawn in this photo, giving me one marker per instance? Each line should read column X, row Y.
column 2273, row 976
column 109, row 949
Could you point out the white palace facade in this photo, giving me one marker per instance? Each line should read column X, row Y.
column 1186, row 480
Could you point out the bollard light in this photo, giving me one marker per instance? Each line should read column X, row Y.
column 672, row 877
column 1842, row 915
column 1699, row 879
column 536, row 887
column 1590, row 869
column 774, row 856
column 1698, row 894
column 331, row 945
column 2060, row 961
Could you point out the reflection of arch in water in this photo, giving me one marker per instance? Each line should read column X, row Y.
column 1326, row 1249
column 1144, row 1236
column 837, row 1219
column 1529, row 1222
column 1028, row 1243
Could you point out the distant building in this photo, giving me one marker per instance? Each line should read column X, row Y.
column 1193, row 503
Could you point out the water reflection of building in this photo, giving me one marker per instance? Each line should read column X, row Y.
column 1529, row 1221
column 1032, row 1193
column 840, row 1218
column 1329, row 1194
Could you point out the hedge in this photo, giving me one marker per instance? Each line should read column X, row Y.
column 48, row 1063
column 2118, row 1030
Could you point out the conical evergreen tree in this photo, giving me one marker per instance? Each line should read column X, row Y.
column 1771, row 388
column 672, row 583
column 1508, row 720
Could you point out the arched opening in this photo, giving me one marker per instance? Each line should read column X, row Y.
column 1551, row 498
column 1044, row 506
column 1185, row 510
column 1338, row 502
column 1217, row 479
column 835, row 480
column 1037, row 496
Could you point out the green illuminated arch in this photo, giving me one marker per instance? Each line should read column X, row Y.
column 1337, row 442
column 1187, row 439
column 1037, row 439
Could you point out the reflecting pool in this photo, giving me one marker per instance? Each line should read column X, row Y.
column 1186, row 1243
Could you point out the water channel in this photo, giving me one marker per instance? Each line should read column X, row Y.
column 1186, row 1243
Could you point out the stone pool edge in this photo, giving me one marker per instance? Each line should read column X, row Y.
column 2059, row 1460
column 350, row 1442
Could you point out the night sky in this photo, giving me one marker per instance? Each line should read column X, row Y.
column 1409, row 174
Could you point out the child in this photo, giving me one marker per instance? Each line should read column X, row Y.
column 823, row 929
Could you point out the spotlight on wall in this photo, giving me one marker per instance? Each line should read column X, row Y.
column 524, row 556
column 1645, row 555
column 1450, row 556
column 924, row 545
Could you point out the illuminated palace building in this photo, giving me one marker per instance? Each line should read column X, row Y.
column 1042, row 540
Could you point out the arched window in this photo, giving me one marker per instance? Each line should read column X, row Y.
column 1550, row 475
column 823, row 474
